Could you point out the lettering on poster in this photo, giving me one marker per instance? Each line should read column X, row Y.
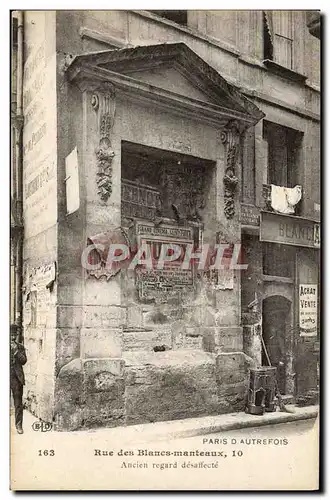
column 308, row 298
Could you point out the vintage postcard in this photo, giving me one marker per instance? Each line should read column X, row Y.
column 165, row 249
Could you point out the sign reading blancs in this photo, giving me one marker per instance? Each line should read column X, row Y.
column 289, row 230
column 308, row 310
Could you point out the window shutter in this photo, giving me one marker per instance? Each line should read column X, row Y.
column 283, row 38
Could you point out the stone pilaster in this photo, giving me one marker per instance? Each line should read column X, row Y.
column 90, row 388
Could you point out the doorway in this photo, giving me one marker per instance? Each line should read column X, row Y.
column 276, row 326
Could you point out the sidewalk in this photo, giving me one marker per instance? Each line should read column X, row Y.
column 160, row 431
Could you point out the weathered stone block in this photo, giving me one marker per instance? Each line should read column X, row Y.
column 251, row 317
column 233, row 403
column 94, row 366
column 231, row 368
column 101, row 415
column 252, row 342
column 45, row 402
column 232, row 378
column 208, row 339
column 101, row 292
column 170, row 385
column 103, row 316
column 146, row 340
column 232, row 389
column 228, row 339
column 101, row 343
column 68, row 413
column 193, row 339
column 104, row 389
column 67, row 346
column 227, row 305
column 69, row 316
column 134, row 316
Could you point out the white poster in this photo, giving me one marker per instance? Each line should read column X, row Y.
column 72, row 182
column 308, row 310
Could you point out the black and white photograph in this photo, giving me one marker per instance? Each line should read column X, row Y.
column 165, row 240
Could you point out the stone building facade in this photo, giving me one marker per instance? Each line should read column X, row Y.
column 165, row 127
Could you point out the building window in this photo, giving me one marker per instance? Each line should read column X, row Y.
column 284, row 149
column 177, row 16
column 278, row 37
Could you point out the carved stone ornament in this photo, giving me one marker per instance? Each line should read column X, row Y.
column 231, row 138
column 99, row 255
column 104, row 273
column 103, row 102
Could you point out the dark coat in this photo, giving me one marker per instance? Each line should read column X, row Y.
column 18, row 359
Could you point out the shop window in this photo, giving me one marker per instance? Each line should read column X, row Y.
column 284, row 148
column 278, row 260
column 177, row 16
column 278, row 37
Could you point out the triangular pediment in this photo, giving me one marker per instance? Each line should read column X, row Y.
column 171, row 79
column 175, row 68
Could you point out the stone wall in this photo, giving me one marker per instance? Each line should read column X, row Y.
column 252, row 297
column 149, row 387
column 167, row 386
column 40, row 210
column 236, row 54
column 90, row 393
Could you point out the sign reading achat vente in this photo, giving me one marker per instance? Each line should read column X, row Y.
column 308, row 310
column 288, row 230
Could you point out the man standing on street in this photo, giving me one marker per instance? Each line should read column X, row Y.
column 17, row 380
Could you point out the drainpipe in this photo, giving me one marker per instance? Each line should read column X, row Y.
column 20, row 27
column 19, row 168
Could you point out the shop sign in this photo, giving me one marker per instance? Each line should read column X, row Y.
column 288, row 230
column 250, row 215
column 308, row 310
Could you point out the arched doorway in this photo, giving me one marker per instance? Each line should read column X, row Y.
column 276, row 328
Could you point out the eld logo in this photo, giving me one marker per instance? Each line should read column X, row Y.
column 42, row 426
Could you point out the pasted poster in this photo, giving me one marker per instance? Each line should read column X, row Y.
column 308, row 310
column 40, row 125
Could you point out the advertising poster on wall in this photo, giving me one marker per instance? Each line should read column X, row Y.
column 308, row 310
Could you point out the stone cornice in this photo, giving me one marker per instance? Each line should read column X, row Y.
column 88, row 78
column 103, row 37
column 201, row 74
column 272, row 101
